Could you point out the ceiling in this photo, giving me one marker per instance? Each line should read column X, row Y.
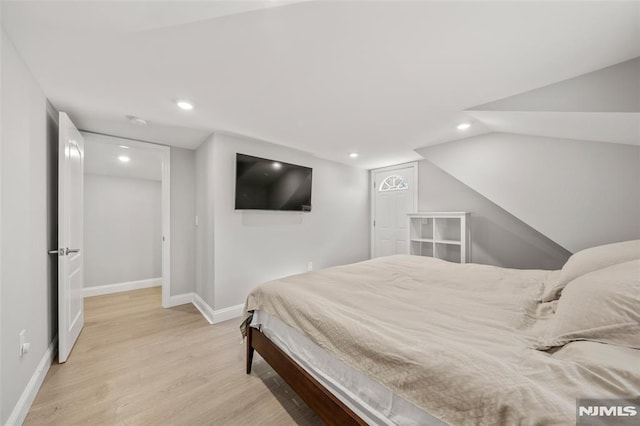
column 326, row 77
column 588, row 126
column 101, row 157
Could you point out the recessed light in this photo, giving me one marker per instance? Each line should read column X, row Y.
column 353, row 155
column 463, row 126
column 136, row 120
column 124, row 158
column 276, row 165
column 124, row 146
column 185, row 105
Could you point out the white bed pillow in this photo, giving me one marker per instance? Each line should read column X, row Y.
column 589, row 260
column 601, row 306
column 600, row 355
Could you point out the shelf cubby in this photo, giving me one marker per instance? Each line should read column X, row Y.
column 443, row 235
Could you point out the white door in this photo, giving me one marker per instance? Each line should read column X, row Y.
column 70, row 235
column 395, row 194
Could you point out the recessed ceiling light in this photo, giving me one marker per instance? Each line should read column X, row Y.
column 136, row 120
column 124, row 158
column 353, row 155
column 276, row 165
column 124, row 146
column 463, row 126
column 186, row 105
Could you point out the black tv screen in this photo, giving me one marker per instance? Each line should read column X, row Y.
column 263, row 184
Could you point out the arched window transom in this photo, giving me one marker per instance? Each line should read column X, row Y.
column 393, row 183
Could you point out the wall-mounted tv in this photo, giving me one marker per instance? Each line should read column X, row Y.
column 263, row 184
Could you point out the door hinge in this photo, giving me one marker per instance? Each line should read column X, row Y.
column 374, row 222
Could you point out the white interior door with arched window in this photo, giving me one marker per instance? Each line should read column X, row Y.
column 394, row 194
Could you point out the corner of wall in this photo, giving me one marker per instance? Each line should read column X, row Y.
column 204, row 256
column 183, row 220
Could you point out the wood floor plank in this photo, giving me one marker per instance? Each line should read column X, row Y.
column 136, row 363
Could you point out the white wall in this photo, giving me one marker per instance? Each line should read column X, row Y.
column 28, row 222
column 1, row 138
column 183, row 211
column 497, row 237
column 205, row 237
column 577, row 193
column 122, row 231
column 251, row 247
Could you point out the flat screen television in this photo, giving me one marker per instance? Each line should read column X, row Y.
column 263, row 184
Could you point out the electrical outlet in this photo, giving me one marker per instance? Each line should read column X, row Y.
column 309, row 266
column 24, row 345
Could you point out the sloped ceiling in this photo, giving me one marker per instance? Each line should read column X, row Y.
column 601, row 106
column 326, row 77
column 577, row 193
column 608, row 90
column 589, row 126
column 544, row 161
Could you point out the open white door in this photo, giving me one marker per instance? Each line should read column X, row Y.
column 70, row 236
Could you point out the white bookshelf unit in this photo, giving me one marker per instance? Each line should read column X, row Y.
column 443, row 235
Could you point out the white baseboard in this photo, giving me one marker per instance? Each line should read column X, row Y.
column 207, row 312
column 23, row 405
column 225, row 314
column 100, row 290
column 211, row 315
column 180, row 299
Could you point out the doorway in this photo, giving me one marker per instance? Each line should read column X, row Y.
column 127, row 218
column 394, row 193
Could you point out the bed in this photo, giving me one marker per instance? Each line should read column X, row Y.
column 417, row 340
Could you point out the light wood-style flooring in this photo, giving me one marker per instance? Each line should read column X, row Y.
column 136, row 363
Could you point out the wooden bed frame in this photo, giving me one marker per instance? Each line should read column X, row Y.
column 330, row 409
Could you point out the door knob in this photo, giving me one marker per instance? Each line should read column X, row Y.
column 63, row 251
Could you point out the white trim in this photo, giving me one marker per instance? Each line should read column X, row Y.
column 165, row 155
column 166, row 225
column 372, row 193
column 207, row 312
column 211, row 315
column 99, row 290
column 23, row 405
column 216, row 316
column 180, row 299
column 1, row 252
column 226, row 314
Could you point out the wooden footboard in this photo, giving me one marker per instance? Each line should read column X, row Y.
column 330, row 409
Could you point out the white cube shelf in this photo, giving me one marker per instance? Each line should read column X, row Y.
column 443, row 235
